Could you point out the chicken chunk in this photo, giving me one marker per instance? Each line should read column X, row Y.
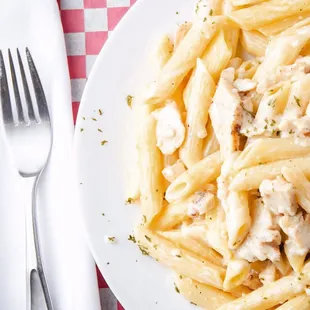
column 170, row 131
column 244, row 85
column 226, row 113
column 297, row 229
column 279, row 196
column 264, row 237
column 298, row 129
column 202, row 202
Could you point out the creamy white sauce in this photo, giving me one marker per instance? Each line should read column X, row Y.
column 170, row 131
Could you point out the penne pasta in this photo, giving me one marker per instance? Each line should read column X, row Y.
column 254, row 42
column 183, row 60
column 162, row 53
column 180, row 260
column 247, row 69
column 281, row 25
column 199, row 101
column 301, row 302
column 193, row 245
column 298, row 99
column 218, row 54
column 296, row 261
column 210, row 144
column 181, row 34
column 268, row 295
column 216, row 235
column 204, row 172
column 259, row 15
column 177, row 212
column 238, row 220
column 302, row 185
column 236, row 273
column 266, row 150
column 151, row 166
column 206, row 8
column 202, row 295
column 283, row 265
column 245, row 2
column 275, row 57
column 251, row 178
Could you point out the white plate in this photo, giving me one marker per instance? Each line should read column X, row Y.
column 137, row 281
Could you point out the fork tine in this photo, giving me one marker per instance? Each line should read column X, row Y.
column 19, row 107
column 38, row 89
column 4, row 94
column 26, row 88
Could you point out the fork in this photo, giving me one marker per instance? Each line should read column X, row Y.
column 28, row 134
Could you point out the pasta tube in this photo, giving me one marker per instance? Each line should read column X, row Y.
column 251, row 178
column 218, row 54
column 182, row 261
column 302, row 185
column 202, row 295
column 199, row 101
column 151, row 166
column 259, row 15
column 204, row 172
column 193, row 245
column 266, row 150
column 300, row 302
column 254, row 42
column 268, row 295
column 183, row 60
column 238, row 219
column 236, row 273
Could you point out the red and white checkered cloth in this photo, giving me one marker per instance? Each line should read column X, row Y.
column 87, row 25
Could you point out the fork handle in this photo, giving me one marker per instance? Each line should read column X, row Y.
column 38, row 297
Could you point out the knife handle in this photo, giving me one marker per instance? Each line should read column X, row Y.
column 38, row 297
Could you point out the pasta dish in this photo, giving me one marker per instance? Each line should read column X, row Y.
column 223, row 155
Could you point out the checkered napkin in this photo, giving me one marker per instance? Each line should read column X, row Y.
column 87, row 24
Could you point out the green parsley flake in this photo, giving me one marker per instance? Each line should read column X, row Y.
column 297, row 101
column 82, row 129
column 271, row 103
column 94, row 119
column 247, row 111
column 111, row 239
column 193, row 303
column 129, row 100
column 102, row 214
column 197, row 6
column 104, row 142
column 100, row 112
column 179, row 256
column 99, row 130
column 148, row 238
column 155, row 246
column 132, row 238
column 176, row 288
column 205, row 19
column 211, row 12
column 129, row 201
column 144, row 250
column 265, row 298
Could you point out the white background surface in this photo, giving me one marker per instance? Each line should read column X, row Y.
column 70, row 269
column 138, row 282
